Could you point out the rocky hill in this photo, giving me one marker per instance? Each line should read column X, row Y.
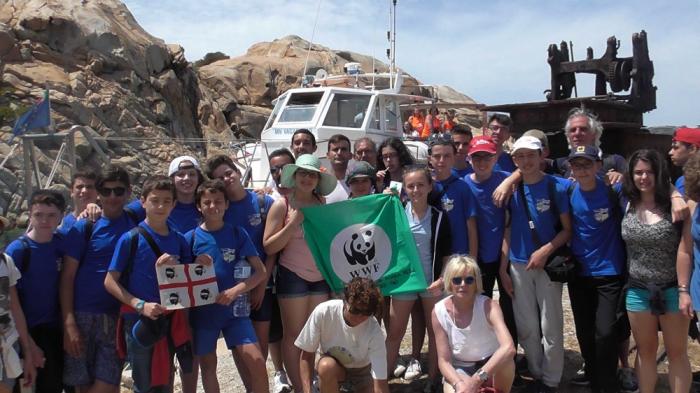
column 145, row 101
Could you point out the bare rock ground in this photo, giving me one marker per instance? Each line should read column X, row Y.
column 230, row 381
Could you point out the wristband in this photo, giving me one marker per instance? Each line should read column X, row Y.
column 139, row 306
column 683, row 289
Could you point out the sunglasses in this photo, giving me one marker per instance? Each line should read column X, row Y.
column 116, row 191
column 306, row 173
column 469, row 280
column 275, row 169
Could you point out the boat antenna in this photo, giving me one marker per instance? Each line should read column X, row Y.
column 313, row 34
column 391, row 36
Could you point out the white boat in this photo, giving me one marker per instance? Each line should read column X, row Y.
column 342, row 104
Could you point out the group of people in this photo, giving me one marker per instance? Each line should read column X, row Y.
column 423, row 126
column 80, row 291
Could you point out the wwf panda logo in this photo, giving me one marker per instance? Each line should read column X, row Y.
column 360, row 248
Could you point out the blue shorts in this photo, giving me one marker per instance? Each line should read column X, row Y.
column 264, row 313
column 289, row 284
column 638, row 300
column 236, row 331
column 99, row 359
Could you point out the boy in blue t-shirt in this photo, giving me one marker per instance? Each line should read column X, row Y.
column 537, row 299
column 83, row 193
column 248, row 211
column 89, row 312
column 461, row 136
column 456, row 197
column 597, row 245
column 38, row 256
column 491, row 222
column 228, row 245
column 133, row 282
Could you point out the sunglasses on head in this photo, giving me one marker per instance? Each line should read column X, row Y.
column 116, row 191
column 469, row 280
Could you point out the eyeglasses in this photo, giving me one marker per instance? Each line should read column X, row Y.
column 469, row 280
column 494, row 127
column 116, row 191
column 306, row 173
column 275, row 169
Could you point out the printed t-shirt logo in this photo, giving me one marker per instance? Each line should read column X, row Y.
column 229, row 254
column 601, row 214
column 542, row 205
column 360, row 250
column 254, row 219
column 447, row 204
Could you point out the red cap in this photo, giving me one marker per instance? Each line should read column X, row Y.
column 687, row 135
column 482, row 143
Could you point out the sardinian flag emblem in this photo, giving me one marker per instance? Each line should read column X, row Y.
column 187, row 285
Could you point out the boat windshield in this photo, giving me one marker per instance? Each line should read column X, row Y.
column 300, row 107
column 347, row 110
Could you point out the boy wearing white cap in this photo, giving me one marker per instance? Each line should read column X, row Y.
column 539, row 225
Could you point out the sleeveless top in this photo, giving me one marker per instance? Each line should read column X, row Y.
column 651, row 248
column 475, row 342
column 296, row 255
column 695, row 277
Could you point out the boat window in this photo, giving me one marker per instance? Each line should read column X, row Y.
column 301, row 107
column 347, row 110
column 391, row 113
column 375, row 119
column 275, row 112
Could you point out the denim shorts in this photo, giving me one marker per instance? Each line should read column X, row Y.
column 415, row 295
column 236, row 331
column 264, row 313
column 637, row 299
column 289, row 284
column 99, row 359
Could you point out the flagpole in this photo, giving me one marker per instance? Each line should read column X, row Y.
column 52, row 124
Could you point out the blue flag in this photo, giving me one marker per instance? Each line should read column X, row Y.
column 39, row 115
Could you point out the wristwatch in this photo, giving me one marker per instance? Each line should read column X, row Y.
column 139, row 306
column 482, row 375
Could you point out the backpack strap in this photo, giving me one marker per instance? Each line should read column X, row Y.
column 133, row 246
column 149, row 239
column 132, row 215
column 26, row 254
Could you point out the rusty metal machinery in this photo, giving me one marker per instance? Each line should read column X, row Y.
column 621, row 73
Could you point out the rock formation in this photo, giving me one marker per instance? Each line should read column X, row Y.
column 137, row 92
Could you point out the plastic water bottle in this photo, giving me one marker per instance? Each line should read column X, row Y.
column 241, row 305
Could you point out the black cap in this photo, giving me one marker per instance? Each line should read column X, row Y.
column 589, row 152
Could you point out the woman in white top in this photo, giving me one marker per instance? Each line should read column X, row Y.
column 473, row 344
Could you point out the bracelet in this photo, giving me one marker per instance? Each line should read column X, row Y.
column 683, row 290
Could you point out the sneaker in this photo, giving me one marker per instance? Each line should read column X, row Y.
column 580, row 378
column 627, row 379
column 280, row 384
column 413, row 370
column 400, row 368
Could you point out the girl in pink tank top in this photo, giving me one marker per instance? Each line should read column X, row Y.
column 300, row 285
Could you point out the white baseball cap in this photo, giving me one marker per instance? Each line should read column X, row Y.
column 526, row 142
column 175, row 164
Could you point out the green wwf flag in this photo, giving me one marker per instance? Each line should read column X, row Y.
column 364, row 237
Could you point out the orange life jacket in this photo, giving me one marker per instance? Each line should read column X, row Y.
column 426, row 129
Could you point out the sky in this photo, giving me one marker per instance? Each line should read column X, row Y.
column 494, row 52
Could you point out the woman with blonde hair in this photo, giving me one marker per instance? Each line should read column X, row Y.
column 473, row 344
